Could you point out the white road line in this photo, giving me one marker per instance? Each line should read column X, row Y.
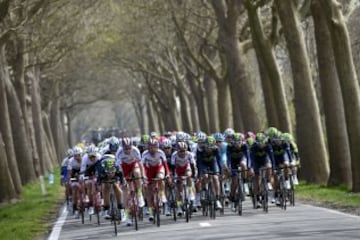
column 334, row 211
column 204, row 224
column 55, row 233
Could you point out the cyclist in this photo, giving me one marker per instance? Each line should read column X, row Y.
column 155, row 166
column 143, row 144
column 238, row 156
column 262, row 157
column 129, row 159
column 294, row 155
column 182, row 160
column 74, row 172
column 88, row 168
column 207, row 159
column 108, row 170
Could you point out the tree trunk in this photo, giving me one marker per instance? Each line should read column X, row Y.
column 7, row 189
column 199, row 96
column 21, row 145
column 242, row 101
column 48, row 133
column 5, row 126
column 194, row 113
column 348, row 81
column 150, row 115
column 56, row 122
column 69, row 128
column 186, row 125
column 37, row 119
column 340, row 170
column 223, row 104
column 308, row 126
column 213, row 98
column 274, row 92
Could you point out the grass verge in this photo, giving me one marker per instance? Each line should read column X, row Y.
column 31, row 216
column 337, row 196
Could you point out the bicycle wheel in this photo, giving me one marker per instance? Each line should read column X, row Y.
column 186, row 203
column 265, row 196
column 173, row 202
column 222, row 198
column 211, row 201
column 113, row 212
column 135, row 210
column 157, row 210
column 291, row 193
column 240, row 196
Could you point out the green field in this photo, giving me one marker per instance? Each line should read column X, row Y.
column 32, row 216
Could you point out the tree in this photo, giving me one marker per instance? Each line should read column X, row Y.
column 308, row 126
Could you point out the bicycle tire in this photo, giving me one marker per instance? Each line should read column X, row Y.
column 173, row 202
column 265, row 197
column 186, row 204
column 113, row 212
column 135, row 211
column 240, row 196
column 157, row 210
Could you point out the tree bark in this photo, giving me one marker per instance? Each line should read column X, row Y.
column 308, row 126
column 273, row 87
column 37, row 119
column 212, row 96
column 186, row 125
column 340, row 170
column 194, row 113
column 7, row 189
column 21, row 145
column 227, row 14
column 5, row 126
column 150, row 115
column 348, row 81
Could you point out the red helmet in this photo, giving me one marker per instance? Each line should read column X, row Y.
column 153, row 142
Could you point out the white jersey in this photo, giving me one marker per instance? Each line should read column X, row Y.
column 176, row 160
column 103, row 150
column 73, row 164
column 153, row 160
column 122, row 157
column 86, row 162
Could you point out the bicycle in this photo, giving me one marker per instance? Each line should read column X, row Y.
column 133, row 203
column 281, row 187
column 171, row 197
column 186, row 204
column 264, row 190
column 209, row 202
column 156, row 200
column 96, row 199
column 80, row 197
column 240, row 196
column 113, row 210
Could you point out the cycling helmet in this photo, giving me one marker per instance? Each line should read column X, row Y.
column 229, row 132
column 126, row 142
column 238, row 138
column 173, row 139
column 180, row 136
column 271, row 132
column 182, row 146
column 287, row 137
column 153, row 135
column 166, row 143
column 167, row 134
column 261, row 138
column 153, row 143
column 250, row 135
column 113, row 144
column 210, row 141
column 91, row 151
column 69, row 153
column 201, row 137
column 145, row 139
column 77, row 150
column 218, row 137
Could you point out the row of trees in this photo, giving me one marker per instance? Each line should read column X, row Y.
column 186, row 65
column 197, row 55
column 38, row 85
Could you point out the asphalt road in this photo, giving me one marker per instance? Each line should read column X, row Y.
column 299, row 222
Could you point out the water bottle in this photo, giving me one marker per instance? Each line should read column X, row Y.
column 51, row 178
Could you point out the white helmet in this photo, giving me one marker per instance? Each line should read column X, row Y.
column 77, row 150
